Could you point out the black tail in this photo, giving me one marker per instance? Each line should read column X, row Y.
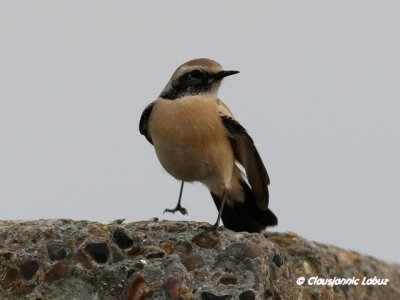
column 245, row 216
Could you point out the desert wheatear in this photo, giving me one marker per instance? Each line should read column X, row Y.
column 196, row 138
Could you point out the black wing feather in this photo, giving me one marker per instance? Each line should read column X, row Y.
column 144, row 122
column 247, row 155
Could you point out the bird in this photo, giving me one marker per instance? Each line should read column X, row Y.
column 197, row 139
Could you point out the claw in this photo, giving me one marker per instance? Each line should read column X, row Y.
column 212, row 228
column 179, row 208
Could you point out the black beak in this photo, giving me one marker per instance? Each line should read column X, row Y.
column 222, row 74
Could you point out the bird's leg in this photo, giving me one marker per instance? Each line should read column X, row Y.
column 178, row 207
column 221, row 208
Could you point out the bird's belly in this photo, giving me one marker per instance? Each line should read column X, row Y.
column 186, row 163
column 190, row 141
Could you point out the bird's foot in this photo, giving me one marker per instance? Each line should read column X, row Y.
column 179, row 208
column 212, row 228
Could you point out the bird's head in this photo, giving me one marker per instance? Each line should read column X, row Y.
column 195, row 77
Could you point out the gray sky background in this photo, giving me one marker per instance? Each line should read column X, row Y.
column 318, row 91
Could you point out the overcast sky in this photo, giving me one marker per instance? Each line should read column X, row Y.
column 318, row 91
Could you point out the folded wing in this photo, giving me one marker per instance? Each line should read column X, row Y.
column 144, row 122
column 247, row 155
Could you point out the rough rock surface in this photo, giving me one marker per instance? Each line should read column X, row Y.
column 65, row 259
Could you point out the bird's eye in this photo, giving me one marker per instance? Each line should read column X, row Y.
column 196, row 74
